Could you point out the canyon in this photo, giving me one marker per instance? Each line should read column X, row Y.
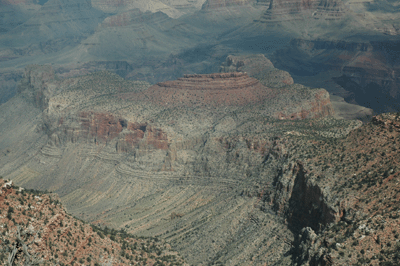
column 117, row 158
column 206, row 132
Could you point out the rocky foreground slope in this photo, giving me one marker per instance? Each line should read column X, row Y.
column 234, row 184
column 36, row 229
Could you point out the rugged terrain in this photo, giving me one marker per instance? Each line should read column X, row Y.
column 196, row 176
column 359, row 176
column 276, row 180
column 36, row 229
column 166, row 119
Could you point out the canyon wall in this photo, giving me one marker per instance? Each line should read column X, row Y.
column 366, row 70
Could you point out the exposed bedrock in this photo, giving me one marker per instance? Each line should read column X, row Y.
column 193, row 176
column 121, row 68
column 209, row 89
column 106, row 128
column 302, row 200
column 134, row 17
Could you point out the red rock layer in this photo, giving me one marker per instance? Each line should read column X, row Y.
column 100, row 125
column 211, row 89
column 155, row 137
column 103, row 128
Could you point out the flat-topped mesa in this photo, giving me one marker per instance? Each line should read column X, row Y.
column 234, row 88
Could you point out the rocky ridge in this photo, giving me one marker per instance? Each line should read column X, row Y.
column 337, row 189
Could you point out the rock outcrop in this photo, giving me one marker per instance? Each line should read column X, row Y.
column 105, row 128
column 300, row 198
column 209, row 90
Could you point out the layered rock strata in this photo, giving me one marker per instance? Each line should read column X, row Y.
column 210, row 89
column 105, row 128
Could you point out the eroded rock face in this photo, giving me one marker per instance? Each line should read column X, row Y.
column 211, row 89
column 300, row 198
column 103, row 128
